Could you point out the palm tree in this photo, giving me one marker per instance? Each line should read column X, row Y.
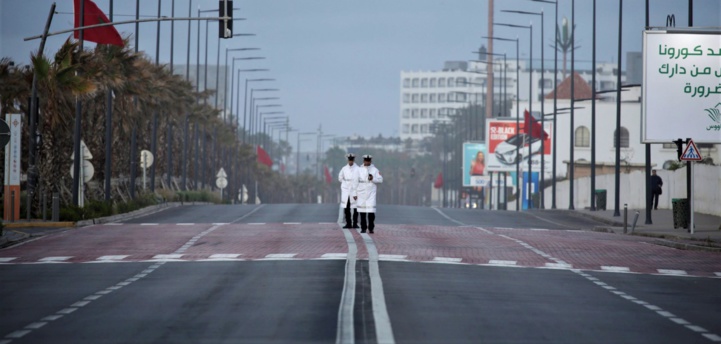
column 565, row 42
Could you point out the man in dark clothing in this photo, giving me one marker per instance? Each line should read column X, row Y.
column 656, row 184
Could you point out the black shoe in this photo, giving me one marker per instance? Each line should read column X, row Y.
column 347, row 226
column 371, row 232
column 363, row 231
column 356, row 226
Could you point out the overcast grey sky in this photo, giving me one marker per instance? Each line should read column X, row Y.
column 338, row 63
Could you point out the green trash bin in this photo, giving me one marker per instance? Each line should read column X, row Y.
column 600, row 195
column 680, row 212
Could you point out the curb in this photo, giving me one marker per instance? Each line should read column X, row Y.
column 131, row 215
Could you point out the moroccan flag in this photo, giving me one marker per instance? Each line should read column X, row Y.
column 326, row 172
column 439, row 181
column 533, row 127
column 93, row 15
column 263, row 157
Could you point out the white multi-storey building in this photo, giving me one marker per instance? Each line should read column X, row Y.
column 429, row 96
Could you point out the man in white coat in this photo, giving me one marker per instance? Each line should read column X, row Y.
column 348, row 178
column 368, row 177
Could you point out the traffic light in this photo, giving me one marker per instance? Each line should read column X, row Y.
column 679, row 148
column 226, row 25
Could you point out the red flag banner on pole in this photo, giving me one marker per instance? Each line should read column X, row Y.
column 263, row 157
column 532, row 127
column 93, row 16
column 328, row 177
column 439, row 181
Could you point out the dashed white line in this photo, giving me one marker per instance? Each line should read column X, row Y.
column 502, row 262
column 53, row 259
column 51, row 317
column 558, row 266
column 447, row 259
column 148, row 224
column 17, row 334
column 334, row 256
column 117, row 257
column 672, row 272
column 392, row 257
column 712, row 337
column 696, row 328
column 615, row 268
column 67, row 310
column 36, row 325
column 280, row 255
column 224, row 256
column 80, row 304
column 167, row 256
column 291, row 223
column 185, row 224
column 256, row 223
column 7, row 259
column 113, row 224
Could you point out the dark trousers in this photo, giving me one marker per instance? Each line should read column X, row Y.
column 370, row 223
column 654, row 199
column 346, row 211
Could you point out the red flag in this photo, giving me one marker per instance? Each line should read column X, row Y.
column 263, row 157
column 328, row 177
column 93, row 15
column 532, row 127
column 439, row 181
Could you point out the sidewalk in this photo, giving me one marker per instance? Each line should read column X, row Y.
column 707, row 231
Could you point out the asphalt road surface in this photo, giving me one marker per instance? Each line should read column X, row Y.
column 289, row 274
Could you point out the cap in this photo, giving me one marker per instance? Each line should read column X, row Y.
column 367, row 157
column 350, row 156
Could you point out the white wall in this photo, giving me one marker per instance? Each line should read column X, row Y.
column 707, row 194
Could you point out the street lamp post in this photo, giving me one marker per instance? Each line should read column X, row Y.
column 297, row 159
column 225, row 83
column 245, row 102
column 530, row 107
column 518, row 113
column 543, row 109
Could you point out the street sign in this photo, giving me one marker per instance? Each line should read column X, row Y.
column 4, row 133
column 221, row 183
column 221, row 173
column 146, row 158
column 86, row 169
column 85, row 151
column 691, row 153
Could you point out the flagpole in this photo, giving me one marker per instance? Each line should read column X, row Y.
column 78, row 120
column 32, row 170
column 108, row 130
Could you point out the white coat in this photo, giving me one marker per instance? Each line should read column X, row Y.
column 366, row 191
column 348, row 178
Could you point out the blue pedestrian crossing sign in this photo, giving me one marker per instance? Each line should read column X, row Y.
column 691, row 152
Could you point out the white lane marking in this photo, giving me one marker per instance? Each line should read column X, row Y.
column 502, row 262
column 36, row 325
column 291, row 223
column 558, row 266
column 185, row 224
column 17, row 334
column 113, row 224
column 54, row 259
column 220, row 223
column 148, row 224
column 679, row 321
column 118, row 257
column 448, row 217
column 224, row 256
column 384, row 331
column 539, row 229
column 51, row 317
column 447, row 259
column 672, row 272
column 67, row 311
column 392, row 257
column 327, row 223
column 281, row 255
column 256, row 223
column 718, row 274
column 80, row 304
column 615, row 268
column 345, row 328
column 712, row 337
column 7, row 259
column 92, row 297
column 334, row 256
column 167, row 256
column 696, row 328
column 484, row 230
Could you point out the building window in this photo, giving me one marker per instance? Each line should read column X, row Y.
column 406, row 97
column 415, row 83
column 415, row 98
column 414, row 129
column 424, row 82
column 406, row 82
column 433, row 82
column 433, row 113
column 624, row 138
column 669, row 146
column 406, row 128
column 582, row 137
column 442, row 113
column 442, row 82
column 424, row 113
column 608, row 85
column 415, row 113
column 460, row 97
column 433, row 98
column 442, row 98
column 424, row 98
column 461, row 81
column 451, row 82
column 424, row 128
column 406, row 113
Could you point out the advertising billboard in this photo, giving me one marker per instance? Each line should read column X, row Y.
column 474, row 164
column 681, row 93
column 506, row 146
